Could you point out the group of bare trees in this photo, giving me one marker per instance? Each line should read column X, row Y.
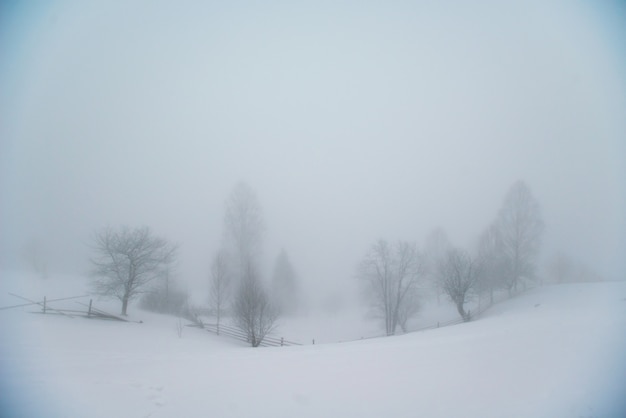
column 504, row 258
column 128, row 261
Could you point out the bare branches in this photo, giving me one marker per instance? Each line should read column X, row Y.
column 243, row 222
column 493, row 263
column 253, row 312
column 243, row 234
column 391, row 275
column 127, row 259
column 521, row 229
column 220, row 286
column 458, row 273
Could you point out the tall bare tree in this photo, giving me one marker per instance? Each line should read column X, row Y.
column 493, row 262
column 521, row 228
column 436, row 246
column 220, row 286
column 252, row 309
column 243, row 235
column 126, row 260
column 391, row 275
column 458, row 273
column 243, row 227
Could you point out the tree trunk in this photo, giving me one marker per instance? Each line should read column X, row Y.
column 124, row 305
column 459, row 308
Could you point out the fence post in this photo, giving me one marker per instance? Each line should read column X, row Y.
column 282, row 341
column 313, row 341
column 89, row 311
column 218, row 328
column 44, row 304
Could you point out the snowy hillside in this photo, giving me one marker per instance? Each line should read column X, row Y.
column 552, row 352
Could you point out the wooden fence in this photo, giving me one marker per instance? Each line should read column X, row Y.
column 89, row 311
column 238, row 334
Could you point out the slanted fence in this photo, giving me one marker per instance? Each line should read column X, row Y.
column 440, row 324
column 88, row 310
column 271, row 341
column 238, row 334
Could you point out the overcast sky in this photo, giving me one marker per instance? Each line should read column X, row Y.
column 351, row 122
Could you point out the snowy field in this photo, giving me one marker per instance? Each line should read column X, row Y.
column 554, row 351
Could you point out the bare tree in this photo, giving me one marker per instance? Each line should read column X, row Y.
column 408, row 308
column 284, row 285
column 243, row 234
column 436, row 246
column 243, row 227
column 391, row 275
column 252, row 310
column 220, row 283
column 126, row 260
column 521, row 229
column 458, row 273
column 493, row 262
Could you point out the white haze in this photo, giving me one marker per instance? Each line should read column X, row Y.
column 350, row 121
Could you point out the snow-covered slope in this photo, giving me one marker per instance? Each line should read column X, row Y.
column 552, row 352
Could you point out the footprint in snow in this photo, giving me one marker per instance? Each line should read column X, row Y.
column 155, row 395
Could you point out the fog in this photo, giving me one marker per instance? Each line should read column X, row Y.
column 351, row 122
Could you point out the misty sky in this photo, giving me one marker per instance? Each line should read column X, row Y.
column 351, row 122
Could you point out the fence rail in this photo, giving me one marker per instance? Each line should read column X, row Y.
column 90, row 312
column 238, row 334
column 221, row 329
column 271, row 341
column 456, row 321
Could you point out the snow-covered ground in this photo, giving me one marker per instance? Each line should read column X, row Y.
column 555, row 351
